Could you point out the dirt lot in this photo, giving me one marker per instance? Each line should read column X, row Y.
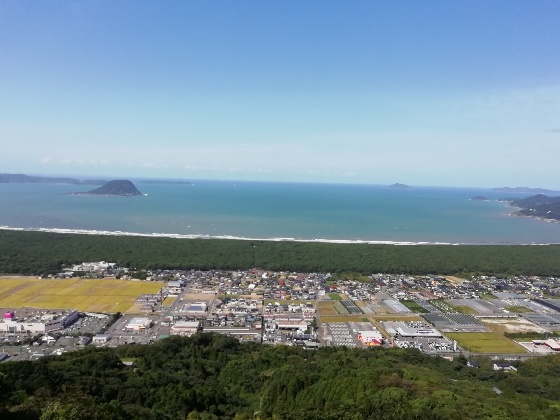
column 510, row 325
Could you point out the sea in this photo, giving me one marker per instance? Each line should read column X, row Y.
column 278, row 211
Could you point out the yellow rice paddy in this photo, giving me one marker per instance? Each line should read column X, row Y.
column 88, row 295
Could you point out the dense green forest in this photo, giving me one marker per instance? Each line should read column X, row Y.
column 209, row 376
column 41, row 252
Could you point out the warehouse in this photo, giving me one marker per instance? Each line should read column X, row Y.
column 186, row 328
column 138, row 324
column 411, row 329
column 41, row 321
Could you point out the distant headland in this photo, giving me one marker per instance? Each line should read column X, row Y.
column 398, row 186
column 523, row 190
column 539, row 206
column 29, row 179
column 116, row 188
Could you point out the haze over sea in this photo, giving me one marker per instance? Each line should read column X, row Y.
column 262, row 210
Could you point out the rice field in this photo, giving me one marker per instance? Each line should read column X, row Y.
column 87, row 295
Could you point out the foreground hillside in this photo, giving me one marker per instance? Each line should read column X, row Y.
column 210, row 377
column 40, row 252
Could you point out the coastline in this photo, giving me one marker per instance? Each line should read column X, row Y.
column 240, row 238
column 515, row 213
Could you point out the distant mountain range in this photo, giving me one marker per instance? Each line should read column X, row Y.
column 28, row 179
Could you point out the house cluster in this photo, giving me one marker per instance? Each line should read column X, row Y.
column 98, row 269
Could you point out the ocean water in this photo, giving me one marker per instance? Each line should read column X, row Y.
column 279, row 210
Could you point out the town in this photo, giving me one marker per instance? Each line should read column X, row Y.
column 504, row 318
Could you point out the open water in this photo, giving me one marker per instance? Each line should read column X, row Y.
column 279, row 210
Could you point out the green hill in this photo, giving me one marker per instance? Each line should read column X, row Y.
column 215, row 377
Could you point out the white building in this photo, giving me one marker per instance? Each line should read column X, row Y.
column 43, row 324
column 139, row 324
column 185, row 328
column 101, row 338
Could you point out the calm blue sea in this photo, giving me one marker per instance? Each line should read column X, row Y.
column 279, row 210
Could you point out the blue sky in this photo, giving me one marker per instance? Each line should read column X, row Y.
column 459, row 93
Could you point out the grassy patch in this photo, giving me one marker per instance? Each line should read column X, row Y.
column 327, row 308
column 169, row 300
column 486, row 342
column 414, row 307
column 340, row 308
column 466, row 310
column 518, row 309
column 334, row 296
column 443, row 306
column 488, row 295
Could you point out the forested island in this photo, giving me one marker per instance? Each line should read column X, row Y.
column 117, row 188
column 211, row 376
column 398, row 186
column 28, row 252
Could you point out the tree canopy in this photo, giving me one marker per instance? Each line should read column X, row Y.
column 209, row 376
column 27, row 252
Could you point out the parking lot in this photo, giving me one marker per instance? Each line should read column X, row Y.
column 339, row 335
column 88, row 324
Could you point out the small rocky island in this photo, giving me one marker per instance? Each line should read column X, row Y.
column 115, row 188
column 480, row 198
column 398, row 186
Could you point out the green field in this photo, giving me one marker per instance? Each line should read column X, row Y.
column 88, row 295
column 334, row 296
column 466, row 310
column 413, row 306
column 486, row 342
column 340, row 308
column 518, row 309
column 462, row 309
